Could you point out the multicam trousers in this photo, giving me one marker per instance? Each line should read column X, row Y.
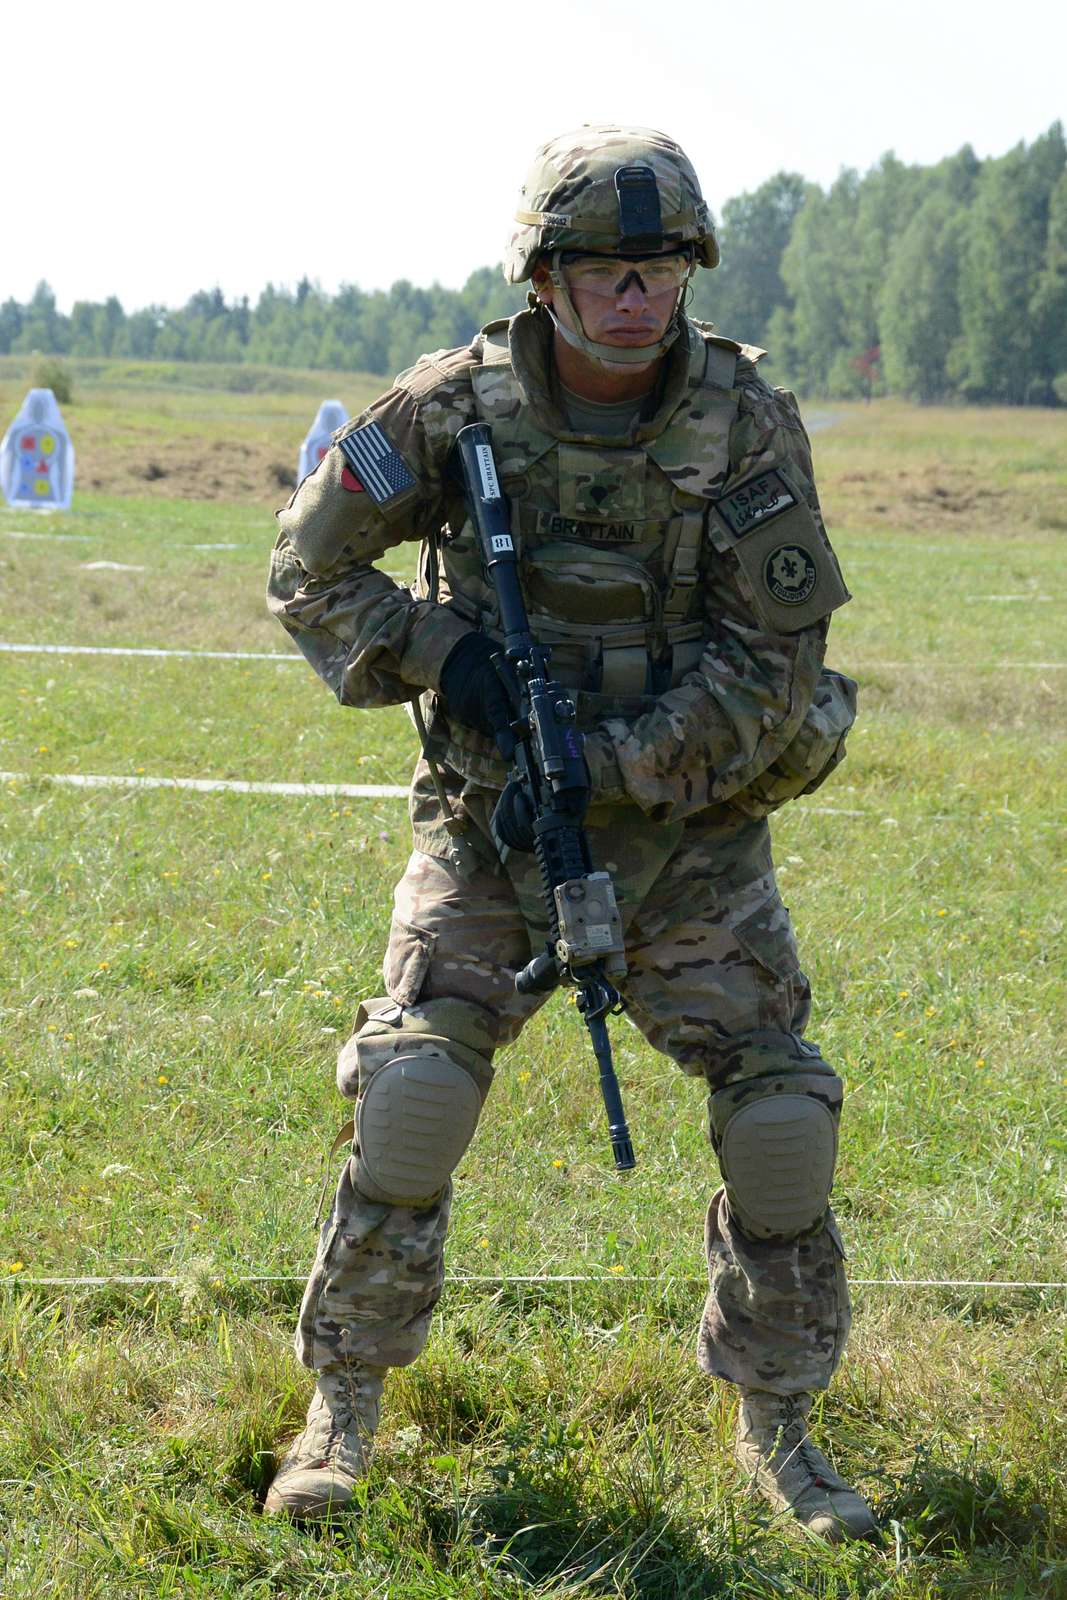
column 711, row 957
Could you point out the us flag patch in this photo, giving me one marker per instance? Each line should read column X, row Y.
column 380, row 468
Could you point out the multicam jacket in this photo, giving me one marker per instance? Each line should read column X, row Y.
column 681, row 573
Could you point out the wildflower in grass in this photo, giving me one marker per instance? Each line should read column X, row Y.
column 70, row 943
column 67, row 1037
column 483, row 1244
column 952, row 1044
column 942, row 912
column 42, row 749
column 15, row 1266
column 980, row 1062
column 557, row 1162
column 139, row 769
column 617, row 1267
column 903, row 993
column 103, row 966
column 900, row 1033
column 163, row 1078
column 264, row 876
column 931, row 1011
column 52, row 1028
column 524, row 1077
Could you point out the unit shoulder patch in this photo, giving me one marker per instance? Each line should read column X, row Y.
column 787, row 566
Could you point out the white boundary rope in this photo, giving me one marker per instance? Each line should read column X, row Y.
column 220, row 1280
column 95, row 780
column 131, row 650
column 280, row 656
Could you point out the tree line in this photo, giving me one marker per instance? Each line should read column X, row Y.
column 937, row 282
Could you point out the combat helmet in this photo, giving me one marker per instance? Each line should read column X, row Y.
column 610, row 189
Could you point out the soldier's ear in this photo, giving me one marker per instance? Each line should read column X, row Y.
column 542, row 283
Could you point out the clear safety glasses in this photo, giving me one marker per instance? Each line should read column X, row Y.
column 610, row 276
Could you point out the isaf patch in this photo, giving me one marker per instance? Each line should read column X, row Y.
column 756, row 501
column 766, row 527
column 379, row 468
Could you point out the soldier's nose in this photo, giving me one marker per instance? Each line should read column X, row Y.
column 630, row 295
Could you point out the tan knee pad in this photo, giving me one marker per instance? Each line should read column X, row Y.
column 420, row 1094
column 776, row 1138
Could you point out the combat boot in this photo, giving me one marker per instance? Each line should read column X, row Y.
column 322, row 1466
column 774, row 1449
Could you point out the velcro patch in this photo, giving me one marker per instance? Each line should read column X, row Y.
column 755, row 501
column 783, row 561
column 379, row 467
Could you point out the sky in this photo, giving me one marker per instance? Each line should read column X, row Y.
column 151, row 152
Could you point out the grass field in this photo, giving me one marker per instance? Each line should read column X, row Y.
column 180, row 968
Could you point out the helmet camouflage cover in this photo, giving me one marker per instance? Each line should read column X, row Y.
column 573, row 198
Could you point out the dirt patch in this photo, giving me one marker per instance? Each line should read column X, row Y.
column 946, row 498
column 188, row 470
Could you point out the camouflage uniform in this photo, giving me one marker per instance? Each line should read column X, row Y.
column 705, row 704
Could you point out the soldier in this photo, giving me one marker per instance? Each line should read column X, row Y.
column 674, row 556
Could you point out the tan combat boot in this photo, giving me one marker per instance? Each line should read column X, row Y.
column 320, row 1469
column 774, row 1449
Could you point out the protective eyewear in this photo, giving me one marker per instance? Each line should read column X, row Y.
column 611, row 276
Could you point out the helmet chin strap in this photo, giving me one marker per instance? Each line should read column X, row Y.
column 609, row 355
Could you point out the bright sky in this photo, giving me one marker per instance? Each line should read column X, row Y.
column 151, row 152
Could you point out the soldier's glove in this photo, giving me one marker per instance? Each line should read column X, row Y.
column 512, row 820
column 471, row 688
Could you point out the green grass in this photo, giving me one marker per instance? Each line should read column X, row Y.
column 178, row 971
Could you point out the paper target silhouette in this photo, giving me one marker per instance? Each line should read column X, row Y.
column 37, row 457
column 331, row 416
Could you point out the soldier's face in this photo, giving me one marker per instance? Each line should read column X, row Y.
column 635, row 312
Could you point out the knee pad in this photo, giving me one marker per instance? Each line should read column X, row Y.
column 420, row 1094
column 775, row 1134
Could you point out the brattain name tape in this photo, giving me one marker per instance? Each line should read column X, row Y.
column 380, row 468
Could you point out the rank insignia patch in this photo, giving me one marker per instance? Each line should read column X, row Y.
column 755, row 501
column 790, row 574
column 379, row 468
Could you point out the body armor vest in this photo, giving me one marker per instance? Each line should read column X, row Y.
column 610, row 538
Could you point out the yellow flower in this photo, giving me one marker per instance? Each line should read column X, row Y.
column 557, row 1162
column 70, row 944
column 931, row 1011
column 903, row 993
column 15, row 1266
column 264, row 876
column 52, row 1028
column 618, row 1267
column 163, row 1078
column 42, row 749
column 103, row 966
column 68, row 1037
column 524, row 1077
column 900, row 1032
column 942, row 912
column 980, row 1062
column 483, row 1244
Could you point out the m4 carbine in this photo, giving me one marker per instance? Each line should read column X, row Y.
column 543, row 806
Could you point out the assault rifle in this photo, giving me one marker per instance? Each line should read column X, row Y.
column 543, row 807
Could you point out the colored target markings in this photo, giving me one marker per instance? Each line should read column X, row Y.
column 36, row 466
